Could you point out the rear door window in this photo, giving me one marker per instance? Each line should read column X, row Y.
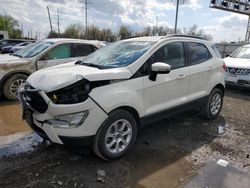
column 83, row 49
column 198, row 53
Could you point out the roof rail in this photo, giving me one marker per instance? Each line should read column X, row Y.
column 179, row 35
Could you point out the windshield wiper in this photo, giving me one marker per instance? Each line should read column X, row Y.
column 89, row 64
column 78, row 62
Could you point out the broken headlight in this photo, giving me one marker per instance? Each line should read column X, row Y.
column 75, row 93
column 69, row 120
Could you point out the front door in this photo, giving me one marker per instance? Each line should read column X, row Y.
column 170, row 89
column 58, row 55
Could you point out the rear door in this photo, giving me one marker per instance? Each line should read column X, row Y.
column 201, row 66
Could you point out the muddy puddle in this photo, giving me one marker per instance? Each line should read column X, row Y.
column 172, row 175
column 15, row 135
column 10, row 119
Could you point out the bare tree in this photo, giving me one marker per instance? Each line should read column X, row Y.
column 124, row 32
column 74, row 31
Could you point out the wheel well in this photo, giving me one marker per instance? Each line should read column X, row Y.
column 221, row 87
column 3, row 81
column 133, row 112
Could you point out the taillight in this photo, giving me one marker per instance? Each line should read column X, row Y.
column 224, row 66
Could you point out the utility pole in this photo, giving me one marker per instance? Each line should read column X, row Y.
column 22, row 35
column 5, row 21
column 49, row 19
column 31, row 34
column 176, row 16
column 58, row 22
column 85, row 6
column 156, row 26
column 248, row 30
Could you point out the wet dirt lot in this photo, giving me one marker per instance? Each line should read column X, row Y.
column 11, row 119
column 167, row 154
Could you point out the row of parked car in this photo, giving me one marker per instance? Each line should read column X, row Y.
column 16, row 67
column 13, row 45
column 104, row 98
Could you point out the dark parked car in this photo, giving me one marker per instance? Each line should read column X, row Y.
column 10, row 43
column 20, row 46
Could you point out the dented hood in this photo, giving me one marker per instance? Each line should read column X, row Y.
column 57, row 77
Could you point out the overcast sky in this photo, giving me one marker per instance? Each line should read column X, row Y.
column 135, row 13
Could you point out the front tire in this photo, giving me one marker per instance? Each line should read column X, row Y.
column 11, row 86
column 214, row 104
column 116, row 136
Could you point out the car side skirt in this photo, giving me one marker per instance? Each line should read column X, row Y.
column 172, row 111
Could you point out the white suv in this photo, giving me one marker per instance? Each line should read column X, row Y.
column 104, row 99
column 238, row 68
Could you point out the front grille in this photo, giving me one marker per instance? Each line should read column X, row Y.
column 36, row 101
column 238, row 71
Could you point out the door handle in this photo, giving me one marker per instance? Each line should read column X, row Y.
column 181, row 76
column 210, row 68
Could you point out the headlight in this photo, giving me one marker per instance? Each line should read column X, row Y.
column 69, row 120
column 75, row 93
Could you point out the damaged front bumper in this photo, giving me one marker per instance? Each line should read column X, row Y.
column 241, row 81
column 69, row 124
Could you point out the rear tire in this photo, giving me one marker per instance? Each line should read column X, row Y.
column 213, row 105
column 116, row 135
column 11, row 86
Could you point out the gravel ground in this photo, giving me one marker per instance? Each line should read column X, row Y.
column 167, row 154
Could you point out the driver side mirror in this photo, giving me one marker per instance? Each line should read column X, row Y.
column 227, row 54
column 44, row 58
column 159, row 68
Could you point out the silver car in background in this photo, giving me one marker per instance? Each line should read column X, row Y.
column 15, row 68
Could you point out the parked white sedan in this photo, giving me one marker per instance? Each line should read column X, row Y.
column 238, row 67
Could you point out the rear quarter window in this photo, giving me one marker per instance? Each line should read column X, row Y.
column 216, row 50
column 198, row 53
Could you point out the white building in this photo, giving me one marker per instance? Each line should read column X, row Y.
column 4, row 35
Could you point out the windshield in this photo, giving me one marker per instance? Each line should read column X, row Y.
column 33, row 49
column 118, row 54
column 242, row 52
